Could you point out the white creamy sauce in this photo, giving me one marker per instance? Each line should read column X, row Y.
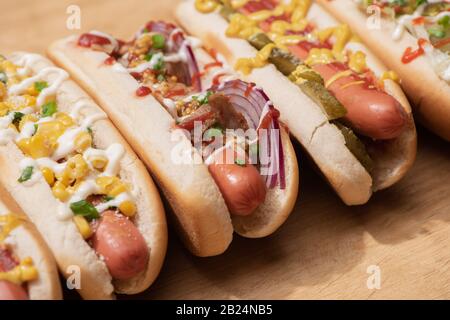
column 20, row 88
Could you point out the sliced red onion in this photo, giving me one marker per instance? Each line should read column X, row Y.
column 254, row 105
column 179, row 45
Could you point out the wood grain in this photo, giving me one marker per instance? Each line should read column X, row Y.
column 324, row 249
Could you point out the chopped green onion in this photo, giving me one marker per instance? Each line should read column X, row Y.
column 159, row 64
column 17, row 117
column 161, row 78
column 36, row 126
column 436, row 32
column 49, row 109
column 26, row 174
column 240, row 162
column 204, row 99
column 148, row 56
column 444, row 21
column 85, row 209
column 158, row 41
column 253, row 149
column 3, row 77
column 40, row 85
column 108, row 198
column 212, row 133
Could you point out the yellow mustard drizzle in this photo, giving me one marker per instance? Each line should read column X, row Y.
column 25, row 271
column 390, row 75
column 357, row 62
column 247, row 64
column 338, row 76
column 342, row 35
column 319, row 56
column 354, row 83
column 8, row 223
column 242, row 27
column 206, row 6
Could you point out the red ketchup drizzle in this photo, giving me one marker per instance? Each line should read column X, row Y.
column 143, row 91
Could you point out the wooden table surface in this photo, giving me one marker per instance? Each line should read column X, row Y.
column 325, row 249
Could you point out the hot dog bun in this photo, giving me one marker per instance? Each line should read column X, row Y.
column 322, row 140
column 62, row 235
column 200, row 211
column 26, row 241
column 429, row 94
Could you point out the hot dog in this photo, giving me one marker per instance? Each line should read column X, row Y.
column 75, row 177
column 412, row 38
column 192, row 109
column 339, row 102
column 27, row 268
column 370, row 111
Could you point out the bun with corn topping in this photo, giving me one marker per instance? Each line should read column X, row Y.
column 78, row 181
column 27, row 268
column 344, row 107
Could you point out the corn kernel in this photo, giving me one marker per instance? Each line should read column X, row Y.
column 52, row 130
column 27, row 118
column 36, row 147
column 98, row 162
column 76, row 169
column 13, row 127
column 83, row 226
column 128, row 208
column 105, row 183
column 118, row 189
column 32, row 90
column 4, row 109
column 48, row 175
column 64, row 119
column 30, row 101
column 8, row 67
column 28, row 271
column 3, row 90
column 60, row 192
column 83, row 141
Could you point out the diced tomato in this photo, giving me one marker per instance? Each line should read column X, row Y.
column 143, row 91
column 87, row 40
column 189, row 123
column 175, row 93
column 254, row 6
column 109, row 61
column 7, row 261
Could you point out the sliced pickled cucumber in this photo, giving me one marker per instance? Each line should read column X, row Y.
column 226, row 12
column 433, row 9
column 319, row 94
column 356, row 146
column 285, row 62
